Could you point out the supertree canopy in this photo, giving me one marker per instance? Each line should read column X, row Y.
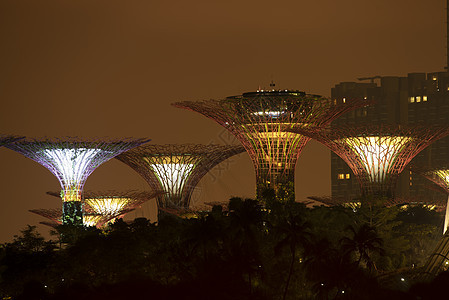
column 72, row 161
column 376, row 154
column 110, row 205
column 259, row 120
column 116, row 204
column 176, row 169
column 440, row 176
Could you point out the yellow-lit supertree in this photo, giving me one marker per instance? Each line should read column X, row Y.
column 376, row 154
column 176, row 169
column 259, row 120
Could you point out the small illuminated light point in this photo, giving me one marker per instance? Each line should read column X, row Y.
column 72, row 161
column 259, row 120
column 176, row 169
column 376, row 154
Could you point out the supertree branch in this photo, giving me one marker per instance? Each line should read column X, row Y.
column 176, row 169
column 259, row 121
column 7, row 139
column 376, row 154
column 115, row 205
column 72, row 160
column 53, row 214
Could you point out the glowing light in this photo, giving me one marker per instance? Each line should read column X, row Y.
column 108, row 206
column 92, row 220
column 377, row 153
column 259, row 122
column 273, row 114
column 172, row 176
column 71, row 166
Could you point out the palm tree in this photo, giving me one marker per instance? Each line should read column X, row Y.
column 294, row 232
column 363, row 243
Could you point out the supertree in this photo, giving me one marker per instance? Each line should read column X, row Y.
column 72, row 160
column 176, row 169
column 440, row 176
column 259, row 120
column 376, row 154
column 112, row 205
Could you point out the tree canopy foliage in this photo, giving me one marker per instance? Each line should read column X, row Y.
column 282, row 250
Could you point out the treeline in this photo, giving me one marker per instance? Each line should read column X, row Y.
column 280, row 251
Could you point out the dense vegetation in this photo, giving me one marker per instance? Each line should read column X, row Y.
column 282, row 251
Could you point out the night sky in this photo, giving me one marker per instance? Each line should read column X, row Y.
column 92, row 68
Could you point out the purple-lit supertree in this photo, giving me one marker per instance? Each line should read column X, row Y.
column 259, row 121
column 176, row 169
column 376, row 154
column 72, row 160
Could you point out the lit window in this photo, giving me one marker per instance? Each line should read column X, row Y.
column 341, row 176
column 348, row 176
column 418, row 98
column 412, row 99
column 424, row 98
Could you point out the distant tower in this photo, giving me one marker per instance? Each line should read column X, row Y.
column 72, row 161
column 176, row 169
column 376, row 154
column 259, row 120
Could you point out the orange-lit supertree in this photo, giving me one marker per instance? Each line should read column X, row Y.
column 176, row 169
column 259, row 120
column 72, row 160
column 376, row 154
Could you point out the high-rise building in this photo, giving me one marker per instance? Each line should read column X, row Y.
column 418, row 98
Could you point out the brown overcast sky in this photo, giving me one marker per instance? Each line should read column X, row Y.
column 93, row 68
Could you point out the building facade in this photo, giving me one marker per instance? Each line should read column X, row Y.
column 419, row 98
